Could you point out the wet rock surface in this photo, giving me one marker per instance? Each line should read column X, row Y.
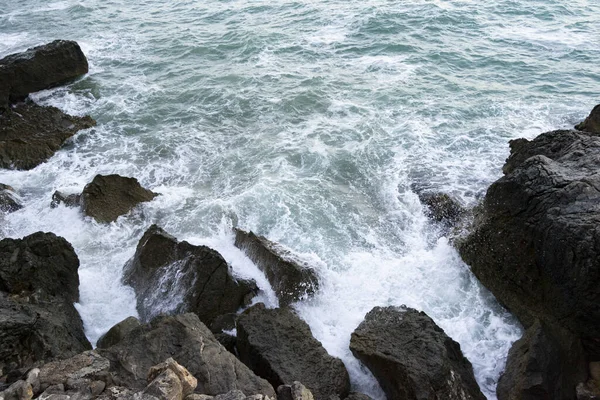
column 412, row 358
column 68, row 200
column 442, row 208
column 30, row 134
column 278, row 346
column 592, row 122
column 108, row 197
column 291, row 278
column 8, row 199
column 172, row 277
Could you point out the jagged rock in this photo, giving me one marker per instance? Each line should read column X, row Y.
column 31, row 134
column 40, row 262
column 107, row 197
column 442, row 208
column 39, row 68
column 535, row 243
column 290, row 278
column 88, row 365
column 188, row 341
column 547, row 362
column 295, row 391
column 228, row 341
column 165, row 386
column 19, row 390
column 172, row 277
column 69, row 200
column 116, row 393
column 117, row 332
column 277, row 345
column 233, row 395
column 187, row 381
column 412, row 358
column 592, row 122
column 8, row 200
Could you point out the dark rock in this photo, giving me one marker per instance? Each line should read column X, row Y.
column 592, row 122
column 442, row 208
column 277, row 345
column 69, row 200
column 291, row 278
column 40, row 262
column 108, row 197
column 191, row 344
column 228, row 341
column 31, row 134
column 412, row 358
column 40, row 68
column 536, row 242
column 358, row 396
column 174, row 277
column 8, row 200
column 294, row 391
column 546, row 363
column 118, row 332
column 224, row 322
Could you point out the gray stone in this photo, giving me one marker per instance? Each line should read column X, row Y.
column 592, row 122
column 117, row 332
column 165, row 386
column 8, row 199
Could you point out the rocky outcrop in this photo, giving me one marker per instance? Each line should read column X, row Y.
column 278, row 346
column 442, row 208
column 31, row 134
column 535, row 243
column 39, row 68
column 38, row 285
column 118, row 332
column 174, row 277
column 290, row 278
column 592, row 122
column 191, row 344
column 107, row 197
column 412, row 358
column 294, row 391
column 8, row 200
column 546, row 363
column 68, row 200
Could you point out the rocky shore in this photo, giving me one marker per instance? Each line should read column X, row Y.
column 201, row 336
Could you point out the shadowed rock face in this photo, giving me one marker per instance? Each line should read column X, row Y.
column 290, row 278
column 173, row 277
column 8, row 200
column 108, row 197
column 278, row 346
column 592, row 122
column 31, row 134
column 536, row 243
column 412, row 358
column 39, row 68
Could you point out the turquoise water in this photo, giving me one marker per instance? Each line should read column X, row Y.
column 311, row 123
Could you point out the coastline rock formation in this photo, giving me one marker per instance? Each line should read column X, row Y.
column 592, row 122
column 412, row 358
column 8, row 200
column 278, row 346
column 290, row 278
column 174, row 277
column 442, row 208
column 107, row 197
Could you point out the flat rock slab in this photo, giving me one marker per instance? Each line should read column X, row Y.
column 40, row 68
column 291, row 278
column 30, row 134
column 412, row 358
column 107, row 197
column 279, row 346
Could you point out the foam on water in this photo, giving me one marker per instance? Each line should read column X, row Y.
column 312, row 123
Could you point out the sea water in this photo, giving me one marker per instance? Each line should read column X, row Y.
column 312, row 123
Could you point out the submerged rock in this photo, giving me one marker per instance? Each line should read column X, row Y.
column 592, row 122
column 546, row 363
column 108, row 197
column 412, row 358
column 8, row 200
column 188, row 341
column 277, row 345
column 174, row 277
column 442, row 208
column 68, row 200
column 39, row 68
column 290, row 278
column 31, row 134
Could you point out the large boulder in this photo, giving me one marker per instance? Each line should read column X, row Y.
column 592, row 122
column 189, row 342
column 536, row 242
column 412, row 358
column 40, row 68
column 107, row 197
column 174, row 277
column 548, row 362
column 8, row 200
column 279, row 346
column 291, row 278
column 30, row 134
column 39, row 262
column 117, row 332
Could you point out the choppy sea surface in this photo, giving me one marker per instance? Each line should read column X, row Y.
column 312, row 123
